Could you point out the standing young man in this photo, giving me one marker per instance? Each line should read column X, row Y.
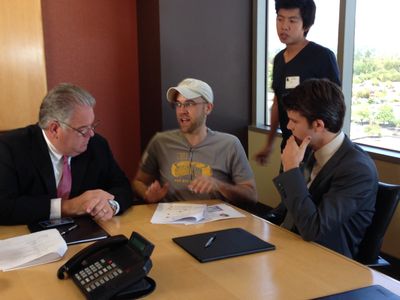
column 300, row 60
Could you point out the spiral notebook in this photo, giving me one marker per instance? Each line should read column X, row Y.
column 221, row 244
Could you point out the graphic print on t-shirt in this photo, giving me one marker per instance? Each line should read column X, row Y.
column 184, row 170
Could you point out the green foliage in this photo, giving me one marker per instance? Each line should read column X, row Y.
column 392, row 64
column 376, row 90
column 361, row 114
column 363, row 93
column 386, row 115
column 368, row 66
column 372, row 130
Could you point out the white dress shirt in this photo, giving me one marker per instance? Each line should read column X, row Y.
column 324, row 154
column 57, row 162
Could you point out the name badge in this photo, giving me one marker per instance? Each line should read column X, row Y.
column 292, row 82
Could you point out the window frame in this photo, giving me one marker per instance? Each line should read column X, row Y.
column 345, row 58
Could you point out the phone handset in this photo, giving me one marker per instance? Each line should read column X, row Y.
column 75, row 262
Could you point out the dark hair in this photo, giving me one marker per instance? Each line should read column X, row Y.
column 318, row 99
column 307, row 10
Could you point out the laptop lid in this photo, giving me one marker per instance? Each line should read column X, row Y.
column 221, row 244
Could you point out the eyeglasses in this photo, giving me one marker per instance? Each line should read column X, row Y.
column 186, row 104
column 84, row 130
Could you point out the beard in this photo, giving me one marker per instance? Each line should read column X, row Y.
column 195, row 124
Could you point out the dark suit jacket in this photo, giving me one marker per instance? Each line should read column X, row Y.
column 27, row 181
column 338, row 207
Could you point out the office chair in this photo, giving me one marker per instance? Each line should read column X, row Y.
column 387, row 198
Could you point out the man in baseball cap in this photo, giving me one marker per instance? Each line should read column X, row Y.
column 191, row 88
column 194, row 162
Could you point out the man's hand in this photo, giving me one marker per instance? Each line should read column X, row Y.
column 244, row 191
column 92, row 202
column 293, row 154
column 155, row 192
column 262, row 156
column 204, row 184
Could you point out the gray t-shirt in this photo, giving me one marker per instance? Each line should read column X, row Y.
column 170, row 158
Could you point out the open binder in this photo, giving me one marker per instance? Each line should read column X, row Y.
column 221, row 244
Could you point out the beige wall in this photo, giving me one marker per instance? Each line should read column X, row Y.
column 22, row 71
column 267, row 194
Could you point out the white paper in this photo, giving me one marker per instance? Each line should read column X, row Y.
column 221, row 212
column 185, row 213
column 31, row 249
column 179, row 213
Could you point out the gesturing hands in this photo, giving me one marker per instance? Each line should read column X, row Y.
column 155, row 192
column 262, row 156
column 231, row 192
column 204, row 184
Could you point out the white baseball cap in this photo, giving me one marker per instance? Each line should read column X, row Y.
column 191, row 88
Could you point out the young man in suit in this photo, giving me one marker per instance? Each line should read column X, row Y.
column 60, row 166
column 335, row 204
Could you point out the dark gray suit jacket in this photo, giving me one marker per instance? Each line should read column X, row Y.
column 338, row 207
column 27, row 180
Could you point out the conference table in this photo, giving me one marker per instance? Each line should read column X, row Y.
column 296, row 269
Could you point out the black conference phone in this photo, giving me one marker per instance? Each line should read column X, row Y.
column 113, row 268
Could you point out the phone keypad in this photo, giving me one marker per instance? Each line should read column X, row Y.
column 97, row 274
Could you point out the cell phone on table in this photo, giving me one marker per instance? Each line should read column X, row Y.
column 56, row 222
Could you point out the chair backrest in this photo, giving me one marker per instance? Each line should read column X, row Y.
column 387, row 198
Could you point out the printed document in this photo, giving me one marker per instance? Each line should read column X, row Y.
column 31, row 249
column 179, row 213
column 186, row 213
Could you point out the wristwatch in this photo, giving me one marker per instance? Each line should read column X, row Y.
column 114, row 205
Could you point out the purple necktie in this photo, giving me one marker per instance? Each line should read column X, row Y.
column 64, row 186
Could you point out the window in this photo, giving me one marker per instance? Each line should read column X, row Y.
column 369, row 59
column 375, row 105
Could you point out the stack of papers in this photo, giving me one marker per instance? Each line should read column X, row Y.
column 31, row 249
column 185, row 213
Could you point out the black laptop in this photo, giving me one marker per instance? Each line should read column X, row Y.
column 373, row 292
column 221, row 244
column 87, row 230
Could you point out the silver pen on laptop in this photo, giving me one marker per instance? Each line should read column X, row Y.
column 69, row 229
column 210, row 241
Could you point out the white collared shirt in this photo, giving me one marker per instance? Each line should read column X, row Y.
column 57, row 162
column 324, row 154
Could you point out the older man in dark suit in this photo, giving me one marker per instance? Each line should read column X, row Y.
column 335, row 204
column 60, row 167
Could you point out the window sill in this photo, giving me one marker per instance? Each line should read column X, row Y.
column 376, row 153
